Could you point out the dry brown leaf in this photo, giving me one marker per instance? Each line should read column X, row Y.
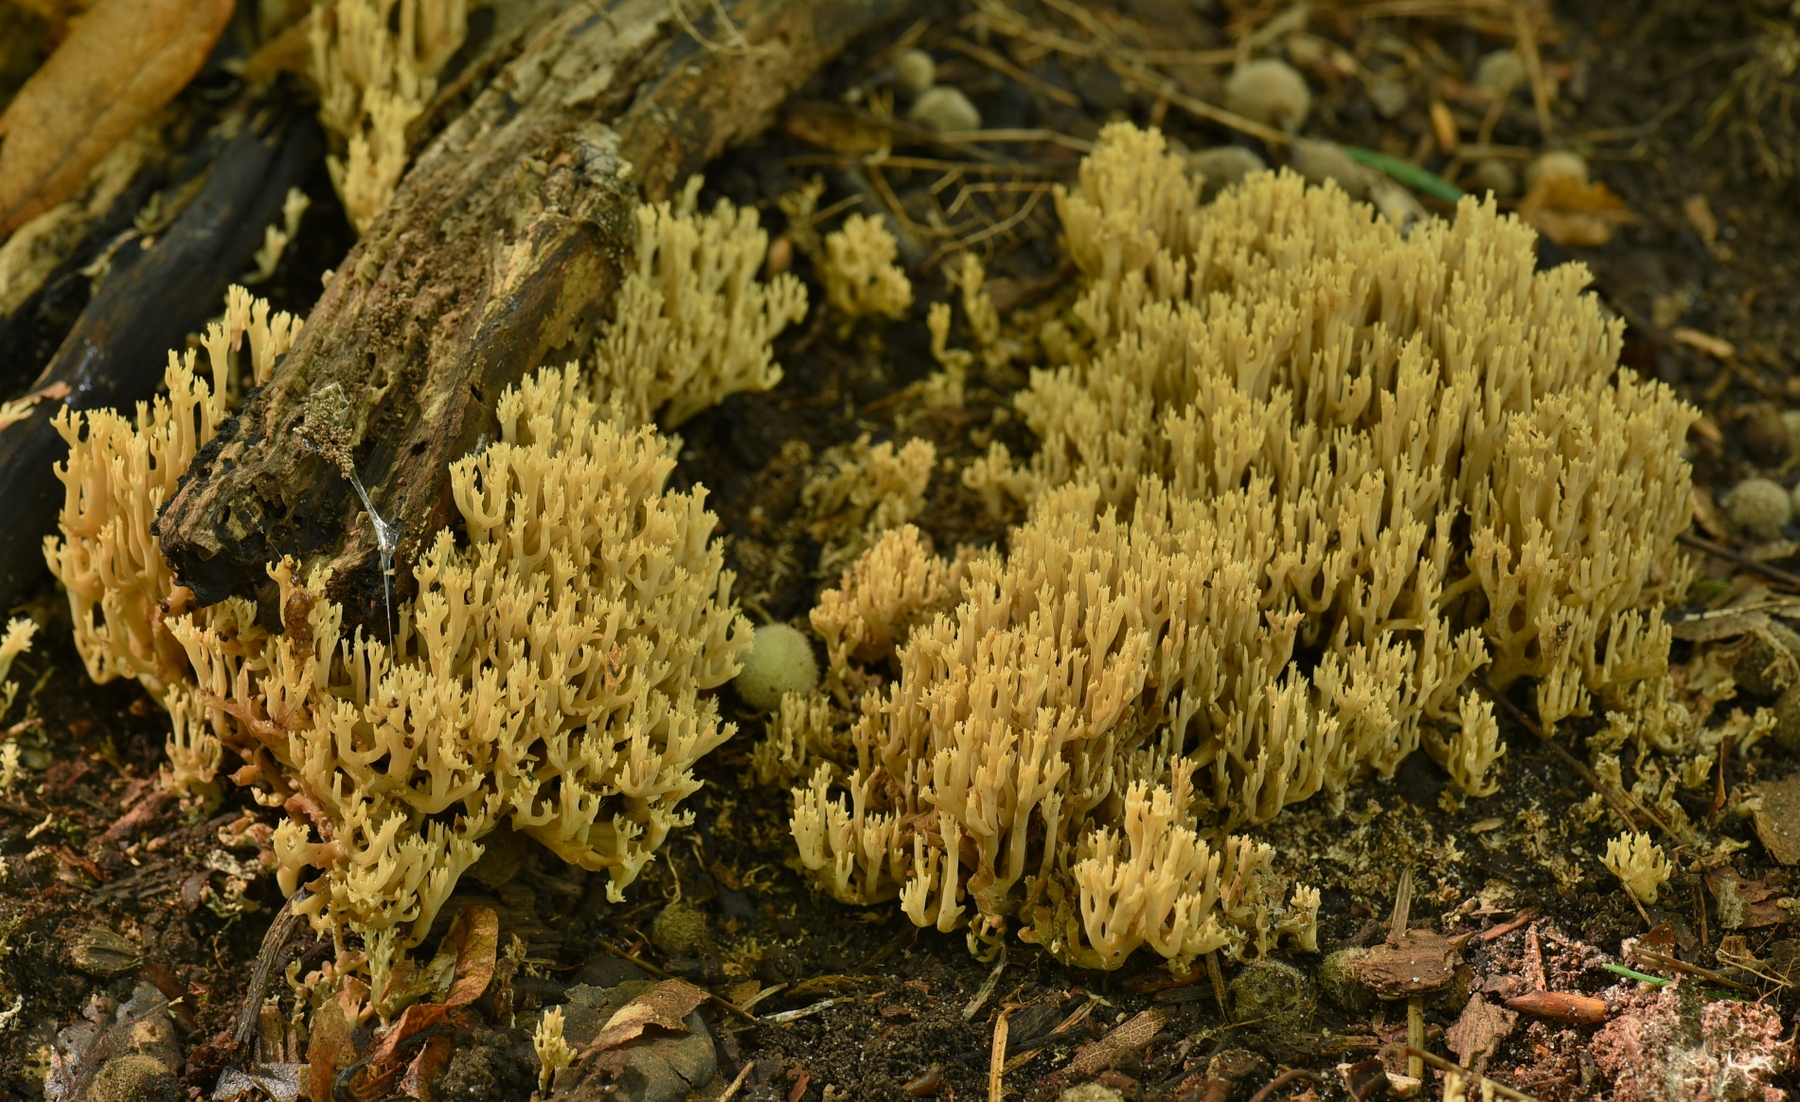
column 474, row 935
column 667, row 1005
column 123, row 61
column 1572, row 212
column 331, row 1048
column 1129, row 1036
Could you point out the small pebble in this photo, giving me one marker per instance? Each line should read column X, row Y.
column 1269, row 91
column 1322, row 161
column 1221, row 166
column 1500, row 71
column 945, row 110
column 1558, row 165
column 1495, row 176
column 1760, row 507
column 914, row 71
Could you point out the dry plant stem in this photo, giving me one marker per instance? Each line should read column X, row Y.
column 1280, row 1081
column 1116, row 59
column 1719, row 550
column 999, row 64
column 499, row 253
column 1534, row 66
column 717, row 1000
column 1444, row 1065
column 738, row 1082
column 1415, row 1035
column 997, row 1059
column 268, row 964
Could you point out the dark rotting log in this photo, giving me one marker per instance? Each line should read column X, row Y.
column 116, row 353
column 500, row 253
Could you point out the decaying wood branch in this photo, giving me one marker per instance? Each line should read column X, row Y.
column 500, row 253
column 160, row 290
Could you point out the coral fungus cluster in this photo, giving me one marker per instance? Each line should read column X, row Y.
column 551, row 676
column 1303, row 478
column 1308, row 489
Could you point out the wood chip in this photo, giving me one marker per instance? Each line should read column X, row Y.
column 1416, row 963
column 1561, row 1006
column 1479, row 1030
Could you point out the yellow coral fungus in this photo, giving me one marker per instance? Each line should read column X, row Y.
column 1305, row 477
column 692, row 324
column 551, row 675
column 861, row 278
column 376, row 70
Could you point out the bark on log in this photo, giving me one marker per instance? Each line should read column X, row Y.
column 500, row 253
column 117, row 351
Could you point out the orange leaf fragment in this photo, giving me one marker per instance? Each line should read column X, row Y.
column 123, row 61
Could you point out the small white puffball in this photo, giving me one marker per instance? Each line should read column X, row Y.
column 780, row 661
column 1759, row 507
column 1269, row 91
column 1221, row 166
column 1559, row 165
column 944, row 109
column 914, row 71
column 1500, row 71
column 1791, row 418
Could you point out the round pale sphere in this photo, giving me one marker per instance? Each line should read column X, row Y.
column 1760, row 507
column 780, row 661
column 914, row 71
column 1269, row 91
column 944, row 109
column 1560, row 166
column 1222, row 166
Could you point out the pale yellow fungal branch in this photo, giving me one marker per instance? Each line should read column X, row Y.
column 548, row 675
column 692, row 324
column 553, row 1051
column 117, row 476
column 865, row 490
column 277, row 238
column 1638, row 863
column 802, row 733
column 897, row 584
column 861, row 278
column 18, row 638
column 376, row 70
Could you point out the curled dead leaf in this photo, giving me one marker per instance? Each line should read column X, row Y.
column 123, row 61
column 666, row 1005
column 474, row 935
column 1571, row 211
